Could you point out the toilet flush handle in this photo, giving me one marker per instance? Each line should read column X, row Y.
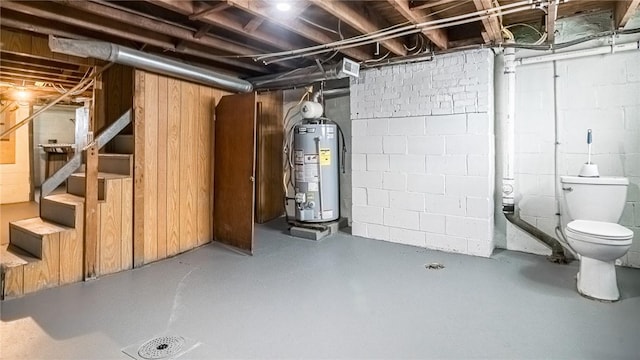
column 569, row 189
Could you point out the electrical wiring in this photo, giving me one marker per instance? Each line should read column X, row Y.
column 414, row 29
column 317, row 25
column 396, row 31
column 378, row 59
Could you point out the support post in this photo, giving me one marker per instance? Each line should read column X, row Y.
column 91, row 213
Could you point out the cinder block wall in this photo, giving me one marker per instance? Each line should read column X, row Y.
column 598, row 92
column 423, row 153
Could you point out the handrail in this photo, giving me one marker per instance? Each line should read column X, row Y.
column 55, row 101
column 74, row 163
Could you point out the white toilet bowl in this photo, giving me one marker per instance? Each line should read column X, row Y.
column 599, row 244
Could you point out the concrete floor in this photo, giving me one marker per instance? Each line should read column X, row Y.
column 343, row 297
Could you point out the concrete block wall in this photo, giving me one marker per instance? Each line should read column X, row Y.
column 56, row 123
column 423, row 153
column 601, row 93
column 337, row 109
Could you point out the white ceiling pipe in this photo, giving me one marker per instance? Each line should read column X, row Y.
column 131, row 57
column 408, row 32
column 601, row 50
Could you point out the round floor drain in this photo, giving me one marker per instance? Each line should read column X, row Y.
column 161, row 347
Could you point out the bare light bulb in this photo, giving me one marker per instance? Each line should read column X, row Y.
column 283, row 6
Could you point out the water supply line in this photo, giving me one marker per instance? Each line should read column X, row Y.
column 508, row 180
column 139, row 59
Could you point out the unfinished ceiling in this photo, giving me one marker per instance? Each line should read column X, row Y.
column 255, row 37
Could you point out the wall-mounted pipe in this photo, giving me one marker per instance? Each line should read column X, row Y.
column 508, row 176
column 508, row 179
column 131, row 57
column 601, row 50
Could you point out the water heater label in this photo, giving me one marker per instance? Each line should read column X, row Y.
column 299, row 157
column 312, row 186
column 325, row 157
column 311, row 158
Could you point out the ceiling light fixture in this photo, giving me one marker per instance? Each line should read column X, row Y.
column 283, row 6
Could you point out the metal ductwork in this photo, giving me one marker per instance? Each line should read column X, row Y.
column 305, row 76
column 131, row 57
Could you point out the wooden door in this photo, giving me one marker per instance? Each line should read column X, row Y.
column 269, row 190
column 234, row 175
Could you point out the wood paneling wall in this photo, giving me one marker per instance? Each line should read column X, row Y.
column 114, row 96
column 269, row 188
column 20, row 42
column 173, row 171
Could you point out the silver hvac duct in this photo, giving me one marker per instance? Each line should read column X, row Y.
column 305, row 76
column 131, row 57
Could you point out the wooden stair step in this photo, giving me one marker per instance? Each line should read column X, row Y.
column 115, row 163
column 76, row 183
column 12, row 263
column 122, row 144
column 29, row 234
column 62, row 208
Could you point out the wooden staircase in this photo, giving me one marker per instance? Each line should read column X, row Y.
column 47, row 251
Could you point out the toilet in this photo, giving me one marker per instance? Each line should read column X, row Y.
column 592, row 208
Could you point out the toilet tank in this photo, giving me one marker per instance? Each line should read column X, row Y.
column 599, row 199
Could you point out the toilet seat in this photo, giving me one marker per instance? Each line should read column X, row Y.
column 598, row 232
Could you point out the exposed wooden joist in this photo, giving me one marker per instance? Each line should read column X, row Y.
column 253, row 24
column 210, row 10
column 437, row 36
column 358, row 21
column 202, row 31
column 552, row 14
column 294, row 25
column 493, row 30
column 160, row 27
column 99, row 25
column 431, row 4
column 228, row 23
column 624, row 10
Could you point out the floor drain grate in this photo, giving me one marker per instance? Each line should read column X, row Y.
column 434, row 266
column 161, row 347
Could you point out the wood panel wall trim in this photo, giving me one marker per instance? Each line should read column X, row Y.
column 91, row 220
column 138, row 169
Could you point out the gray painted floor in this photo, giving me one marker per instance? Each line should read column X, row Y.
column 343, row 297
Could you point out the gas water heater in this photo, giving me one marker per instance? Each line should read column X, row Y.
column 315, row 160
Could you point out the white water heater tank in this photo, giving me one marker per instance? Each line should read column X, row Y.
column 315, row 150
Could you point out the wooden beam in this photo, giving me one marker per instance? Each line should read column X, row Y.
column 253, row 24
column 157, row 26
column 91, row 214
column 493, row 30
column 294, row 25
column 202, row 31
column 430, row 4
column 202, row 13
column 358, row 21
column 624, row 10
column 552, row 14
column 228, row 23
column 138, row 169
column 437, row 36
column 97, row 16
